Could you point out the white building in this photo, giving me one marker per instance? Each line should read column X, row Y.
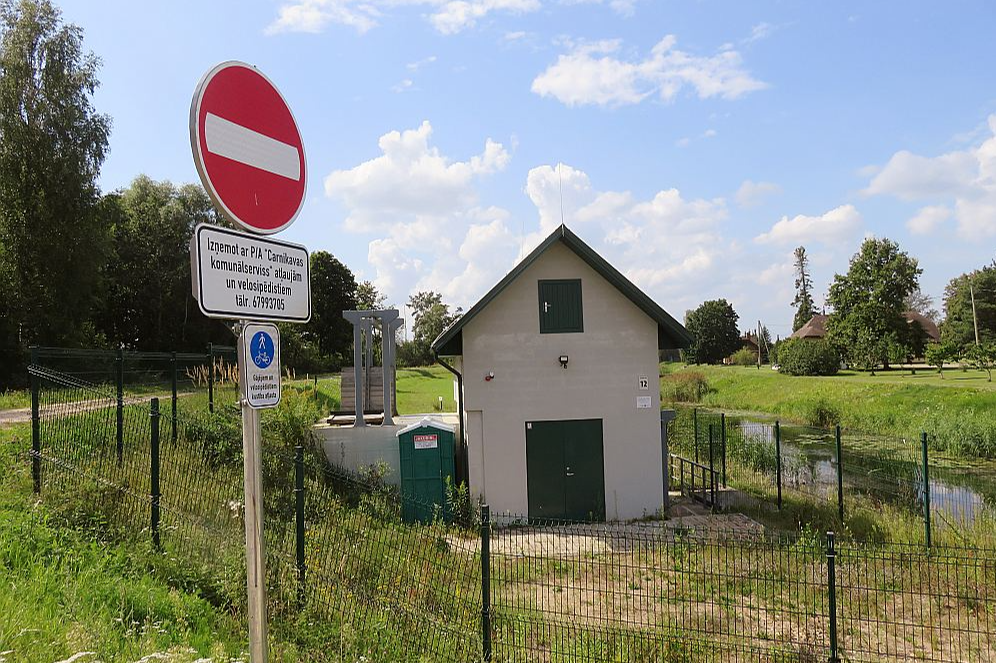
column 560, row 401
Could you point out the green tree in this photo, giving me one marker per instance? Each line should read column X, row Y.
column 958, row 327
column 869, row 300
column 805, row 307
column 982, row 357
column 714, row 327
column 151, row 226
column 937, row 354
column 368, row 297
column 53, row 244
column 430, row 316
column 333, row 290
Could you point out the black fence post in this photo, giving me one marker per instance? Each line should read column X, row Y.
column 695, row 433
column 299, row 518
column 778, row 462
column 832, row 590
column 210, row 355
column 35, row 424
column 926, row 487
column 486, row 582
column 722, row 425
column 119, row 370
column 840, row 476
column 173, row 409
column 155, row 495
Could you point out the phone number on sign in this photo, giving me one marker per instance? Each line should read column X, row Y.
column 268, row 303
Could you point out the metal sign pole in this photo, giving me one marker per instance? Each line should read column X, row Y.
column 255, row 554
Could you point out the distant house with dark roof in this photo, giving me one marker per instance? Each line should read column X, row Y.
column 560, row 399
column 817, row 326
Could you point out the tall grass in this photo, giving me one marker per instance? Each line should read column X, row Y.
column 959, row 420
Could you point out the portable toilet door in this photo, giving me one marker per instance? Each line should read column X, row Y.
column 426, row 450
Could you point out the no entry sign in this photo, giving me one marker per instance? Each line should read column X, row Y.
column 247, row 148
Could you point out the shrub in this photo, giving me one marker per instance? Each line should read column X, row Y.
column 684, row 387
column 744, row 357
column 822, row 413
column 808, row 357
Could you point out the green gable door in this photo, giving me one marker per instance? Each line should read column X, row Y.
column 560, row 310
column 565, row 477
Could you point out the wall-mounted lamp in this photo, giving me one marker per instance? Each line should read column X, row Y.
column 490, row 376
column 563, row 361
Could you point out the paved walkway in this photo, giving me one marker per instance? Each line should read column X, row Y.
column 603, row 538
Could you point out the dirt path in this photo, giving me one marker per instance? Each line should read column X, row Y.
column 23, row 415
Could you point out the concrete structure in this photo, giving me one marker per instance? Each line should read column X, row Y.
column 363, row 323
column 354, row 449
column 592, row 384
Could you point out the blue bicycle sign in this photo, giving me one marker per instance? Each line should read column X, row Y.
column 261, row 349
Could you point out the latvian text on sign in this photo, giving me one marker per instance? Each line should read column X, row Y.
column 240, row 276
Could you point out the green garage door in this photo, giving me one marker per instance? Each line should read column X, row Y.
column 565, row 472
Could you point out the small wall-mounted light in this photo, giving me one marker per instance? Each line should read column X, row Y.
column 490, row 376
column 563, row 361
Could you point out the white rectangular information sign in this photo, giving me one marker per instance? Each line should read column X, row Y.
column 261, row 352
column 240, row 276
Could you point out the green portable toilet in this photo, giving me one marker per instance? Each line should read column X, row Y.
column 426, row 462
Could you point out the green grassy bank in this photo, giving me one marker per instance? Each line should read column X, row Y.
column 960, row 419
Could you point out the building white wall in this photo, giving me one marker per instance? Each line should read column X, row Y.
column 617, row 347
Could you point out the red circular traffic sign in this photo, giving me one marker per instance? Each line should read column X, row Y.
column 247, row 148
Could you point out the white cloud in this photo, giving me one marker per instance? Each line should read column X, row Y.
column 965, row 179
column 314, row 16
column 928, row 219
column 591, row 73
column 752, row 194
column 403, row 86
column 457, row 15
column 418, row 64
column 760, row 31
column 839, row 224
column 663, row 243
column 447, row 16
column 625, row 8
column 419, row 204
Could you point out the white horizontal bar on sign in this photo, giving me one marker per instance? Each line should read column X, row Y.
column 233, row 141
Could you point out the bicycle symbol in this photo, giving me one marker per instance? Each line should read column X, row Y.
column 261, row 349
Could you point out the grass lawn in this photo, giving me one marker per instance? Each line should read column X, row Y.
column 958, row 410
column 419, row 390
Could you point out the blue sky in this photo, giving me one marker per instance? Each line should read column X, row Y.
column 695, row 143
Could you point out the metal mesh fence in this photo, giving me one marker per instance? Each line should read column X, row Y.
column 759, row 463
column 504, row 589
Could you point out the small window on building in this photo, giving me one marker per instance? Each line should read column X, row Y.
column 560, row 306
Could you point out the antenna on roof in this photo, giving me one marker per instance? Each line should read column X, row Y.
column 560, row 177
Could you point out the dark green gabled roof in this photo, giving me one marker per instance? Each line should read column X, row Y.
column 670, row 333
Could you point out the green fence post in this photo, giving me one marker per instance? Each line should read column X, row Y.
column 211, row 377
column 926, row 487
column 695, row 423
column 299, row 518
column 840, row 476
column 722, row 425
column 832, row 590
column 119, row 366
column 155, row 495
column 712, row 469
column 35, row 424
column 486, row 581
column 173, row 410
column 778, row 462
